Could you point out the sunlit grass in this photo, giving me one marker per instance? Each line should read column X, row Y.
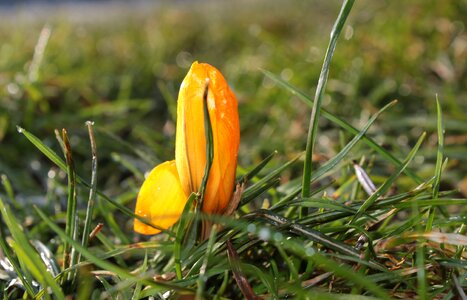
column 402, row 238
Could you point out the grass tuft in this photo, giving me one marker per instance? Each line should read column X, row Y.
column 378, row 210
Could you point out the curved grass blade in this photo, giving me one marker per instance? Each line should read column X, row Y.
column 326, row 204
column 27, row 254
column 14, row 263
column 252, row 173
column 265, row 183
column 184, row 224
column 350, row 274
column 343, row 124
column 139, row 286
column 323, row 77
column 439, row 164
column 94, row 259
column 308, row 233
column 51, row 155
column 325, row 217
column 295, row 192
column 387, row 184
column 202, row 278
column 340, row 156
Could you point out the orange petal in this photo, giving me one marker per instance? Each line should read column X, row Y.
column 190, row 153
column 161, row 199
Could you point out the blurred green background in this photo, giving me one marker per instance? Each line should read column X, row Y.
column 120, row 65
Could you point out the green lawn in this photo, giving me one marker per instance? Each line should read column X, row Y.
column 121, row 67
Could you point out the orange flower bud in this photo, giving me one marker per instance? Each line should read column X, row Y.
column 164, row 193
column 190, row 147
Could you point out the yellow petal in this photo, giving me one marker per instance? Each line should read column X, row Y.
column 161, row 199
column 190, row 152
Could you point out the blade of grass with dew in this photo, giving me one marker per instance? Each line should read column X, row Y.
column 52, row 156
column 343, row 124
column 439, row 163
column 323, row 76
column 387, row 184
column 43, row 148
column 27, row 254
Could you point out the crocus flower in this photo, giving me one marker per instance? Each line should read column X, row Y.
column 164, row 193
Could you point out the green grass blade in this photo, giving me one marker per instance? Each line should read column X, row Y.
column 209, row 145
column 141, row 154
column 202, row 278
column 27, row 254
column 351, row 275
column 9, row 191
column 308, row 233
column 71, row 204
column 13, row 261
column 139, row 285
column 329, row 165
column 439, row 163
column 267, row 181
column 92, row 258
column 343, row 124
column 185, row 222
column 387, row 184
column 85, row 252
column 249, row 175
column 323, row 77
column 440, row 150
column 93, row 190
column 51, row 155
